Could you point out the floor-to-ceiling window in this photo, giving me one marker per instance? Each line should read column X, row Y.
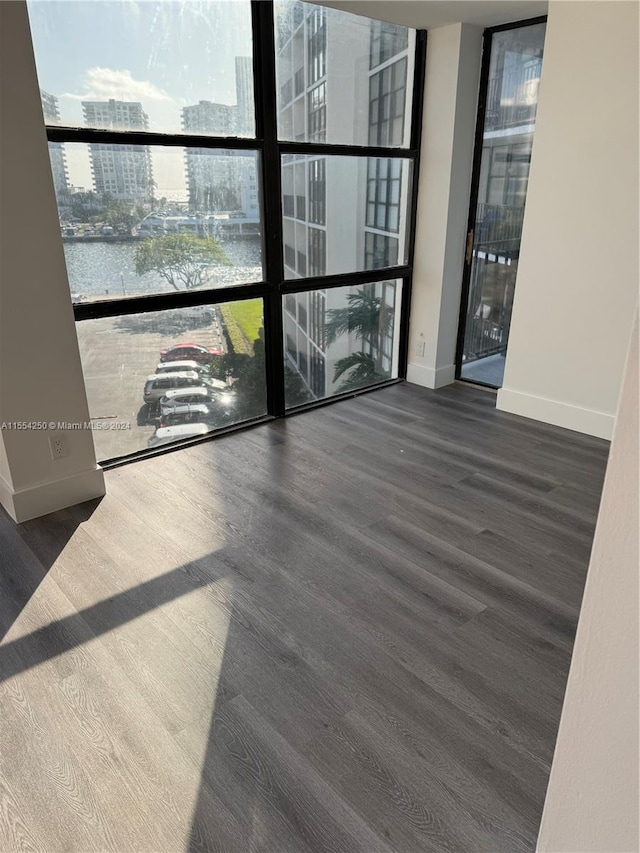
column 235, row 183
column 358, row 79
column 506, row 124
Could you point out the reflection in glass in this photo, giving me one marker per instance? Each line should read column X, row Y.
column 370, row 232
column 137, row 220
column 340, row 339
column 167, row 67
column 342, row 78
column 154, row 378
column 511, row 104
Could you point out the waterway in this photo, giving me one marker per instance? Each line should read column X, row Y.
column 104, row 269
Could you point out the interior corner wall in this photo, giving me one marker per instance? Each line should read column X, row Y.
column 577, row 278
column 450, row 105
column 592, row 803
column 40, row 371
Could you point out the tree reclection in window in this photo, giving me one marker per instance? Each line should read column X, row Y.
column 343, row 339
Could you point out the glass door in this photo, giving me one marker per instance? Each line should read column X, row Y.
column 506, row 124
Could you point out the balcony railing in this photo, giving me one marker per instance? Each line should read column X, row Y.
column 495, row 255
column 512, row 98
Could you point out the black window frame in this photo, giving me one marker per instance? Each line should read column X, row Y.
column 272, row 154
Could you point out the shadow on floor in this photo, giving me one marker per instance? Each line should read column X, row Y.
column 22, row 571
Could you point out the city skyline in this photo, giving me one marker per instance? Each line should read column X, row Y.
column 230, row 119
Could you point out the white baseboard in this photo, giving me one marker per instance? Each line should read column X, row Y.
column 429, row 377
column 588, row 421
column 48, row 497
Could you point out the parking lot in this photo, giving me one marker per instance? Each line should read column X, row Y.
column 118, row 353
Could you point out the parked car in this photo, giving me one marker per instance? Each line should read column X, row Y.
column 167, row 435
column 180, row 396
column 191, row 352
column 180, row 367
column 186, row 413
column 158, row 384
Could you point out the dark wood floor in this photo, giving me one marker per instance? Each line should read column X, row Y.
column 348, row 631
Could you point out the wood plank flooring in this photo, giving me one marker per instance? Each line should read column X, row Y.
column 346, row 631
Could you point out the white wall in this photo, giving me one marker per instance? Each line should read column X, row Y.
column 593, row 795
column 450, row 103
column 578, row 272
column 40, row 371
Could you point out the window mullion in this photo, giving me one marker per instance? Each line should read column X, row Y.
column 266, row 121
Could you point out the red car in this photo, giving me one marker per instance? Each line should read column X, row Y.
column 191, row 352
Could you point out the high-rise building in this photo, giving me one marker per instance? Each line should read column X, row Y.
column 57, row 154
column 245, row 119
column 314, row 105
column 209, row 117
column 122, row 171
column 212, row 175
column 221, row 180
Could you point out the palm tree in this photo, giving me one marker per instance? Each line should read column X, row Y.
column 368, row 318
column 364, row 371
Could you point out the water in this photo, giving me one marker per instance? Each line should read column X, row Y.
column 99, row 269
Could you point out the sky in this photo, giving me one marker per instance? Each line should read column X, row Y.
column 165, row 54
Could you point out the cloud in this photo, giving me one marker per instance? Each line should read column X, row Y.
column 105, row 83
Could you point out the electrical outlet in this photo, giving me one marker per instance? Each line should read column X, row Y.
column 58, row 445
column 420, row 349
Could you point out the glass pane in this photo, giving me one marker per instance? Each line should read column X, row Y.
column 512, row 100
column 368, row 233
column 153, row 379
column 166, row 67
column 342, row 78
column 138, row 220
column 342, row 339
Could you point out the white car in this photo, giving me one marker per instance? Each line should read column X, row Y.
column 180, row 366
column 167, row 435
column 180, row 396
column 192, row 413
column 159, row 384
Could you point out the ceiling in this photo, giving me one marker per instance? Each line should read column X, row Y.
column 427, row 14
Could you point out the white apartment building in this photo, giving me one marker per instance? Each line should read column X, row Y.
column 245, row 118
column 212, row 178
column 221, row 180
column 51, row 113
column 122, row 171
column 357, row 95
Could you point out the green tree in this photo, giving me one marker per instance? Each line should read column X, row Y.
column 120, row 214
column 362, row 370
column 246, row 375
column 182, row 260
column 295, row 389
column 84, row 205
column 370, row 320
